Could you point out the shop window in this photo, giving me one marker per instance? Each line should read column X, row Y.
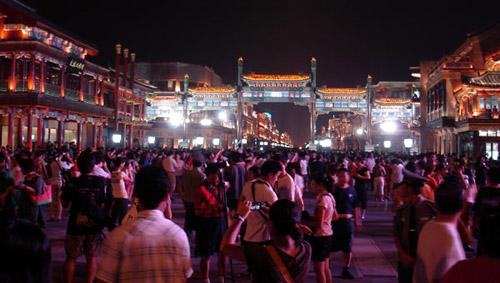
column 492, row 150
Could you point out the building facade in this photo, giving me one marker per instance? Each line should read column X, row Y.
column 51, row 93
column 460, row 98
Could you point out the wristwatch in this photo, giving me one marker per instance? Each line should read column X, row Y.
column 238, row 218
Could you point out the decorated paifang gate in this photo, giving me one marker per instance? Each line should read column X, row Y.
column 299, row 89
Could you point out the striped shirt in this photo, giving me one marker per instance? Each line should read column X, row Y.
column 149, row 249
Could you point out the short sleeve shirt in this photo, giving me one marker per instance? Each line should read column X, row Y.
column 257, row 230
column 327, row 202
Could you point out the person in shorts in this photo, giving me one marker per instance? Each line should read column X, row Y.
column 87, row 217
column 346, row 200
column 322, row 236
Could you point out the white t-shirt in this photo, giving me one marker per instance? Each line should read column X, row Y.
column 257, row 228
column 169, row 164
column 299, row 183
column 118, row 184
column 439, row 248
column 303, row 167
column 98, row 171
column 285, row 187
column 180, row 168
column 328, row 203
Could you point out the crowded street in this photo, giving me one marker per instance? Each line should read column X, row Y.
column 249, row 141
column 375, row 258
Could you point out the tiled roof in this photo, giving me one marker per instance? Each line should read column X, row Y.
column 490, row 79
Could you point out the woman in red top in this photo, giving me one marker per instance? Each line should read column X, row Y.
column 210, row 207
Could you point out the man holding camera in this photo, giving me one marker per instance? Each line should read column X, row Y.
column 260, row 191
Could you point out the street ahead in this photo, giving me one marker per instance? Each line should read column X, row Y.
column 373, row 249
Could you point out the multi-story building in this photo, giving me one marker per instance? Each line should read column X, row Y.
column 460, row 98
column 51, row 93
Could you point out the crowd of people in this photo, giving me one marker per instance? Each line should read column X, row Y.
column 244, row 205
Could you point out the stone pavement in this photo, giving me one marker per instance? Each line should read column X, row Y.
column 374, row 252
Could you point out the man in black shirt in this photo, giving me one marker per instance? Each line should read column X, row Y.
column 343, row 224
column 87, row 217
column 487, row 196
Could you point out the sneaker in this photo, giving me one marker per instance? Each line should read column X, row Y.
column 346, row 274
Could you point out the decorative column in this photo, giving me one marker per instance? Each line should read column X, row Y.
column 31, row 76
column 39, row 131
column 99, row 136
column 101, row 94
column 42, row 76
column 62, row 81
column 13, row 83
column 131, row 137
column 132, row 70
column 312, row 109
column 96, row 91
column 369, row 110
column 125, row 67
column 10, row 130
column 78, row 136
column 239, row 109
column 124, row 136
column 19, row 136
column 60, row 135
column 29, row 138
column 118, row 48
column 93, row 136
column 80, row 89
column 132, row 111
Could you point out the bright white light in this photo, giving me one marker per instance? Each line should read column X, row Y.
column 206, row 122
column 265, row 143
column 408, row 143
column 261, row 148
column 222, row 116
column 244, row 141
column 151, row 140
column 359, row 132
column 198, row 141
column 387, row 144
column 175, row 119
column 187, row 121
column 216, row 141
column 116, row 138
column 326, row 143
column 316, row 142
column 389, row 127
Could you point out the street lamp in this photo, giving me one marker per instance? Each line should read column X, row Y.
column 359, row 132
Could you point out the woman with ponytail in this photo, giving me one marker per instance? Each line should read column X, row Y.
column 286, row 259
column 322, row 237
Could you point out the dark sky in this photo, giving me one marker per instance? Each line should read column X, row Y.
column 350, row 38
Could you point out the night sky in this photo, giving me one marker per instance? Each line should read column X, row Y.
column 349, row 38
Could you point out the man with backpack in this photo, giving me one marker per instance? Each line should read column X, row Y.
column 87, row 217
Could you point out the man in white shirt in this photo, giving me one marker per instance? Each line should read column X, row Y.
column 151, row 248
column 304, row 170
column 101, row 168
column 170, row 166
column 439, row 244
column 261, row 190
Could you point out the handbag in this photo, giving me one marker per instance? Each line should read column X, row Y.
column 279, row 263
column 44, row 198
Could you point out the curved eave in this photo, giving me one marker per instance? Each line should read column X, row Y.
column 341, row 91
column 275, row 78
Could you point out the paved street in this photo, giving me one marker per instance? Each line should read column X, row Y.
column 374, row 252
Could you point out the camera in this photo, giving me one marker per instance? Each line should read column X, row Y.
column 257, row 205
